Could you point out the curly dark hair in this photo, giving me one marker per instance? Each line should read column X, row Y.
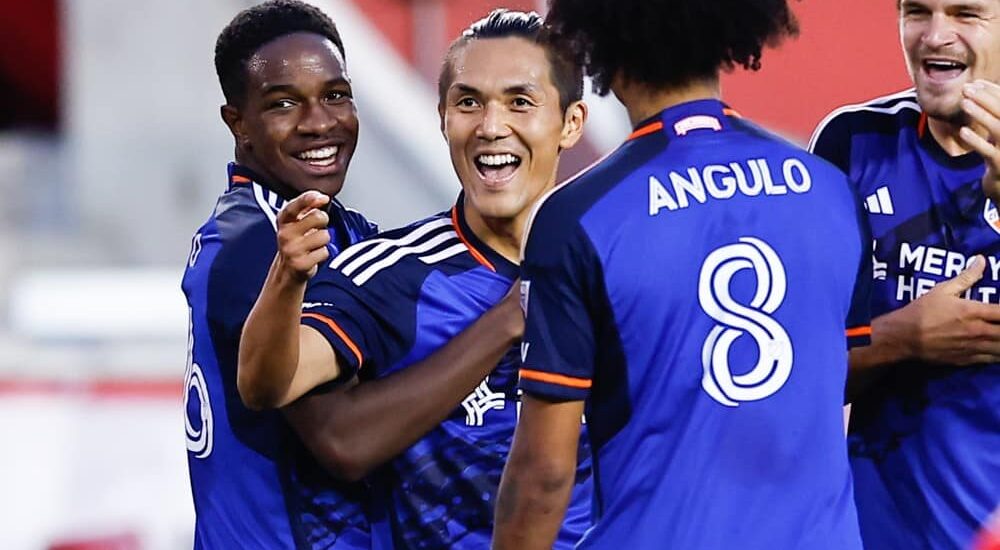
column 567, row 74
column 666, row 43
column 258, row 25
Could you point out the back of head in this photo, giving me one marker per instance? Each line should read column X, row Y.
column 258, row 25
column 667, row 43
column 567, row 75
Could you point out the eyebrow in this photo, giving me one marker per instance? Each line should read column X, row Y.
column 288, row 88
column 515, row 89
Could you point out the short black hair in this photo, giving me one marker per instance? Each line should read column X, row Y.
column 258, row 25
column 667, row 43
column 566, row 73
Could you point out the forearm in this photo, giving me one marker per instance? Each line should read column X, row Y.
column 530, row 506
column 892, row 342
column 269, row 346
column 538, row 479
column 359, row 428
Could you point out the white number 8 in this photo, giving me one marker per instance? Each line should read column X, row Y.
column 774, row 361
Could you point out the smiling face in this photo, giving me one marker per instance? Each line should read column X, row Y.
column 504, row 125
column 949, row 43
column 298, row 125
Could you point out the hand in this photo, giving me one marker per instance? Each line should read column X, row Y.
column 982, row 104
column 943, row 327
column 512, row 317
column 302, row 235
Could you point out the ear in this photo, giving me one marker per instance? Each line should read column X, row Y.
column 573, row 121
column 234, row 121
column 441, row 118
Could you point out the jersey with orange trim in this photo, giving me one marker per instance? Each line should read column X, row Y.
column 254, row 483
column 925, row 440
column 387, row 303
column 699, row 290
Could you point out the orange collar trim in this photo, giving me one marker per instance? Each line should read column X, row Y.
column 922, row 126
column 472, row 250
column 650, row 128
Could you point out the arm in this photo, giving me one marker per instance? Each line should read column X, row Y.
column 939, row 327
column 279, row 359
column 539, row 475
column 982, row 104
column 355, row 429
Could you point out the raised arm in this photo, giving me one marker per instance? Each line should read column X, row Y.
column 939, row 327
column 280, row 360
column 352, row 430
column 538, row 478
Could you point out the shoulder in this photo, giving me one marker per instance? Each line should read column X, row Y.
column 408, row 252
column 357, row 222
column 884, row 114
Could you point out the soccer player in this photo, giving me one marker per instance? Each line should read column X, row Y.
column 508, row 106
column 924, row 438
column 695, row 294
column 289, row 107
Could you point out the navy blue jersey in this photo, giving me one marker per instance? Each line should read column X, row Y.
column 925, row 441
column 387, row 303
column 254, row 483
column 699, row 289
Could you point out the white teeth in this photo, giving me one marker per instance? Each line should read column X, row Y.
column 497, row 160
column 321, row 154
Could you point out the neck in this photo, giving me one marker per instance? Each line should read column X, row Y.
column 642, row 101
column 945, row 133
column 503, row 235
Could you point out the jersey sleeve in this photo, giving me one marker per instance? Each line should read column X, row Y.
column 559, row 348
column 832, row 141
column 364, row 323
column 247, row 246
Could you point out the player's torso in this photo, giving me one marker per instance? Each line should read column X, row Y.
column 923, row 424
column 253, row 483
column 440, row 492
column 729, row 263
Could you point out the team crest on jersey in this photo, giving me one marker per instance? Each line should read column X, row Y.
column 991, row 215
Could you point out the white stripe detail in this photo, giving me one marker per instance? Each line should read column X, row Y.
column 385, row 244
column 352, row 250
column 264, row 204
column 884, row 200
column 871, row 204
column 869, row 107
column 444, row 254
column 400, row 253
column 880, row 202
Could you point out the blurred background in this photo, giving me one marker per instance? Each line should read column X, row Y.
column 112, row 153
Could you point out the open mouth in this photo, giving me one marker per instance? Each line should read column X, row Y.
column 497, row 168
column 943, row 69
column 321, row 157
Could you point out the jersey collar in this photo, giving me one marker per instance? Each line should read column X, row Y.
column 242, row 175
column 961, row 162
column 689, row 118
column 483, row 254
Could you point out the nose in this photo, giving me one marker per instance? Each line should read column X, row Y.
column 316, row 119
column 940, row 31
column 493, row 125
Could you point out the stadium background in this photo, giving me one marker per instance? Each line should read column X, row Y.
column 112, row 153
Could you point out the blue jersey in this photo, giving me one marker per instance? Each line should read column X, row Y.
column 254, row 483
column 391, row 301
column 699, row 288
column 925, row 440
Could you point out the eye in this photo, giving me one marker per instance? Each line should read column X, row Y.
column 522, row 102
column 282, row 104
column 467, row 103
column 338, row 96
column 967, row 15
